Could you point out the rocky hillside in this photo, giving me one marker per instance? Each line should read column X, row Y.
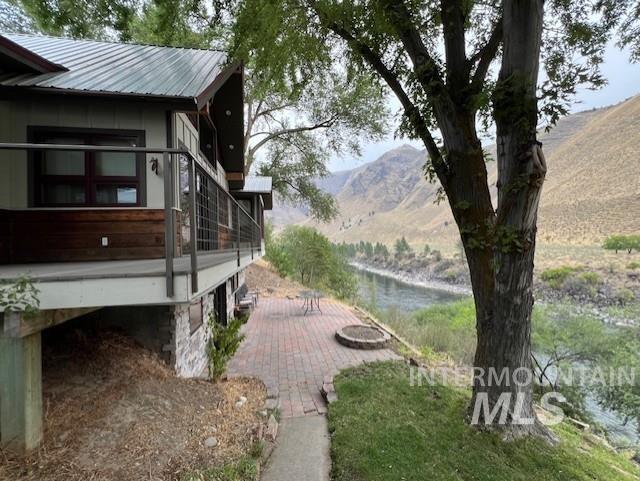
column 592, row 188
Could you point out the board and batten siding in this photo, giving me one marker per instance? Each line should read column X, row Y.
column 17, row 115
column 186, row 134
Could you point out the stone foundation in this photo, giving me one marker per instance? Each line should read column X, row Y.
column 190, row 348
column 167, row 330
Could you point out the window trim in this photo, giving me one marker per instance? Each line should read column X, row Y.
column 90, row 182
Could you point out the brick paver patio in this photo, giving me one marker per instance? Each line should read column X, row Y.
column 292, row 353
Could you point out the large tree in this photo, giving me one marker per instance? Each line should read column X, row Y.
column 439, row 59
column 294, row 125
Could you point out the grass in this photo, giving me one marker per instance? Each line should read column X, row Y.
column 383, row 429
column 244, row 469
column 442, row 329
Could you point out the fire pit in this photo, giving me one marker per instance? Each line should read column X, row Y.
column 358, row 336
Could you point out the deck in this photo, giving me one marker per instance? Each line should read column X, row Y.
column 66, row 285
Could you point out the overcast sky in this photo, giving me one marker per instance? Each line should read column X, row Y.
column 624, row 82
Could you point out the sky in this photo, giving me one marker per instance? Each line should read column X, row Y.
column 623, row 82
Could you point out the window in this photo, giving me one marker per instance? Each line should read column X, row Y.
column 195, row 315
column 74, row 178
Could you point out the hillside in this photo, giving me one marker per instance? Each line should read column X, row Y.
column 592, row 187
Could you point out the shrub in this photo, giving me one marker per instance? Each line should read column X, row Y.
column 305, row 254
column 591, row 278
column 223, row 344
column 555, row 278
column 440, row 329
column 625, row 296
column 21, row 295
column 632, row 266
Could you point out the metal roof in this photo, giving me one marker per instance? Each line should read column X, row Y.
column 257, row 185
column 118, row 68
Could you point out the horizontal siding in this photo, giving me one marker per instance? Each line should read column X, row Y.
column 70, row 235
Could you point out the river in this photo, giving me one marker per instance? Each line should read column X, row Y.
column 390, row 293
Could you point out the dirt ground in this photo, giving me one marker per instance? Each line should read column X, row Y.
column 114, row 411
column 261, row 275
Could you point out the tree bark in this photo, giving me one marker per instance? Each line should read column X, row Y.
column 504, row 315
column 500, row 244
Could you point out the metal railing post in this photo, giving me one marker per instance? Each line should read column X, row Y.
column 238, row 235
column 168, row 221
column 193, row 227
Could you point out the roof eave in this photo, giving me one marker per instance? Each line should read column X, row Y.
column 28, row 58
column 210, row 90
column 181, row 103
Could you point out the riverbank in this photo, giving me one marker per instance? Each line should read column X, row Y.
column 414, row 279
column 612, row 297
column 440, row 326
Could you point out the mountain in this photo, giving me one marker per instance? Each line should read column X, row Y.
column 592, row 188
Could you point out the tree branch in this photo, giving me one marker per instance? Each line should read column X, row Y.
column 306, row 128
column 485, row 56
column 453, row 21
column 274, row 109
column 424, row 66
column 410, row 110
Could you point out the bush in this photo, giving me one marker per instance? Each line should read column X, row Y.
column 444, row 329
column 591, row 278
column 223, row 344
column 632, row 266
column 625, row 296
column 306, row 255
column 555, row 278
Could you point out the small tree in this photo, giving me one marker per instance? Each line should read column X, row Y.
column 622, row 242
column 402, row 248
column 623, row 397
column 380, row 250
column 309, row 257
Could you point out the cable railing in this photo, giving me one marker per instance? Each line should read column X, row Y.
column 221, row 224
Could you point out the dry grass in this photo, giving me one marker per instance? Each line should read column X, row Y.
column 261, row 275
column 113, row 411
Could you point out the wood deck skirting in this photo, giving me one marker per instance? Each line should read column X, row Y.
column 28, row 236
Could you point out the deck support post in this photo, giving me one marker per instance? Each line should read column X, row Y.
column 20, row 392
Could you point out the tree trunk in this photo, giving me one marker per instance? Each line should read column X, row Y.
column 503, row 381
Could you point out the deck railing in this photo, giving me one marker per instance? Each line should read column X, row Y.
column 221, row 224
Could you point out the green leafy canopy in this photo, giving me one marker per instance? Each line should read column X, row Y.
column 295, row 121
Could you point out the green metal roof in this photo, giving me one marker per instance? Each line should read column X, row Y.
column 118, row 68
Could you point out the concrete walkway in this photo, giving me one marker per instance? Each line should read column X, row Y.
column 292, row 353
column 302, row 453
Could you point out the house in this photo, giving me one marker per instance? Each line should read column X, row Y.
column 123, row 197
